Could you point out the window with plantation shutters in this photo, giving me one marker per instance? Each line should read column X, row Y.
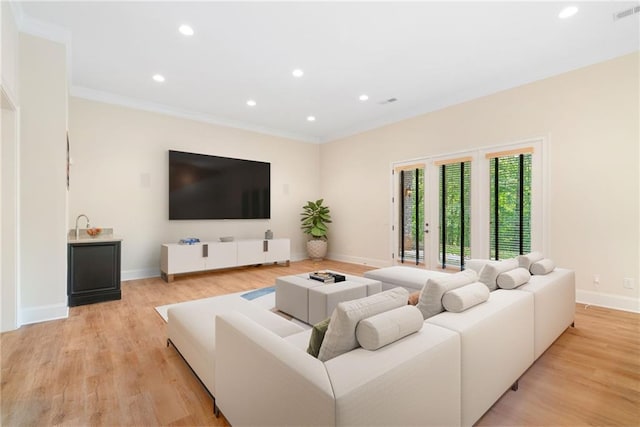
column 510, row 203
column 454, row 212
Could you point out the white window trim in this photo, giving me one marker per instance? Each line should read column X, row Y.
column 480, row 171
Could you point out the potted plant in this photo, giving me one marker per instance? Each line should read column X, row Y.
column 315, row 217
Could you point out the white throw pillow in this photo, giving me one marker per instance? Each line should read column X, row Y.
column 544, row 266
column 341, row 334
column 476, row 264
column 513, row 278
column 384, row 328
column 465, row 297
column 525, row 261
column 490, row 271
column 430, row 302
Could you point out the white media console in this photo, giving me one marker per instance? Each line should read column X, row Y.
column 176, row 258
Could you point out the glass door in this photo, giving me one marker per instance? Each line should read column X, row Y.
column 454, row 213
column 410, row 222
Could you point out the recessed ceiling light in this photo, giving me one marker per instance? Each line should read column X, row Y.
column 158, row 78
column 185, row 30
column 251, row 103
column 311, row 118
column 568, row 12
column 363, row 97
column 297, row 72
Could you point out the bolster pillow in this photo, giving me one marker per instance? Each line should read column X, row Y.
column 544, row 266
column 525, row 261
column 341, row 333
column 465, row 297
column 384, row 328
column 489, row 273
column 514, row 278
column 430, row 301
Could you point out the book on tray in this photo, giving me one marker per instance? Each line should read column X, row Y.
column 326, row 277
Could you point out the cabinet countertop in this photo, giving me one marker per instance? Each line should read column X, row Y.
column 97, row 239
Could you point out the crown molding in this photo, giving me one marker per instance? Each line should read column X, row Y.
column 35, row 27
column 110, row 98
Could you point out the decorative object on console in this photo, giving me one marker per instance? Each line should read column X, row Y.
column 189, row 241
column 227, row 239
column 315, row 217
column 268, row 235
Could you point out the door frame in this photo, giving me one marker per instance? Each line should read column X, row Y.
column 10, row 227
column 395, row 209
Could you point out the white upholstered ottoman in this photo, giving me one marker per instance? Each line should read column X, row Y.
column 293, row 295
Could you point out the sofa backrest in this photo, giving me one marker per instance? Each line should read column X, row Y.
column 261, row 379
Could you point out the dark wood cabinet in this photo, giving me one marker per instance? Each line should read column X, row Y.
column 93, row 272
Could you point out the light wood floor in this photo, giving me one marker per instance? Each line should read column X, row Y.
column 108, row 364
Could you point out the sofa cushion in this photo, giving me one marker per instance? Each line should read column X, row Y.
column 317, row 336
column 341, row 334
column 430, row 302
column 544, row 266
column 491, row 270
column 410, row 278
column 513, row 278
column 525, row 261
column 465, row 297
column 387, row 327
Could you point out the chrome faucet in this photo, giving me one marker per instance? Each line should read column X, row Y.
column 79, row 216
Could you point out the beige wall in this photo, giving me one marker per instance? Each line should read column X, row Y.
column 43, row 193
column 590, row 118
column 9, row 51
column 116, row 151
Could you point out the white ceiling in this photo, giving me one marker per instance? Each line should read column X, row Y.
column 428, row 55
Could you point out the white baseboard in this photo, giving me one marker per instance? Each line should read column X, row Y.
column 616, row 302
column 359, row 260
column 143, row 273
column 43, row 313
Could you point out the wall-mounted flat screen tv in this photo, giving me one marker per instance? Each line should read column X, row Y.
column 213, row 187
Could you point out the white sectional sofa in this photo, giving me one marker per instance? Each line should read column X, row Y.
column 263, row 379
column 450, row 372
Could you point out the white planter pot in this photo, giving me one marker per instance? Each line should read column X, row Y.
column 317, row 249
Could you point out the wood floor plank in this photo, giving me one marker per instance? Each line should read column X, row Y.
column 108, row 363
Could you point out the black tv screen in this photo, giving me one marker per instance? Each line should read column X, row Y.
column 212, row 187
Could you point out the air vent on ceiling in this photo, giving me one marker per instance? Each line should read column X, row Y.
column 388, row 101
column 626, row 12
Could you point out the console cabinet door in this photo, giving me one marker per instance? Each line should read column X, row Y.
column 185, row 258
column 250, row 252
column 278, row 250
column 222, row 255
